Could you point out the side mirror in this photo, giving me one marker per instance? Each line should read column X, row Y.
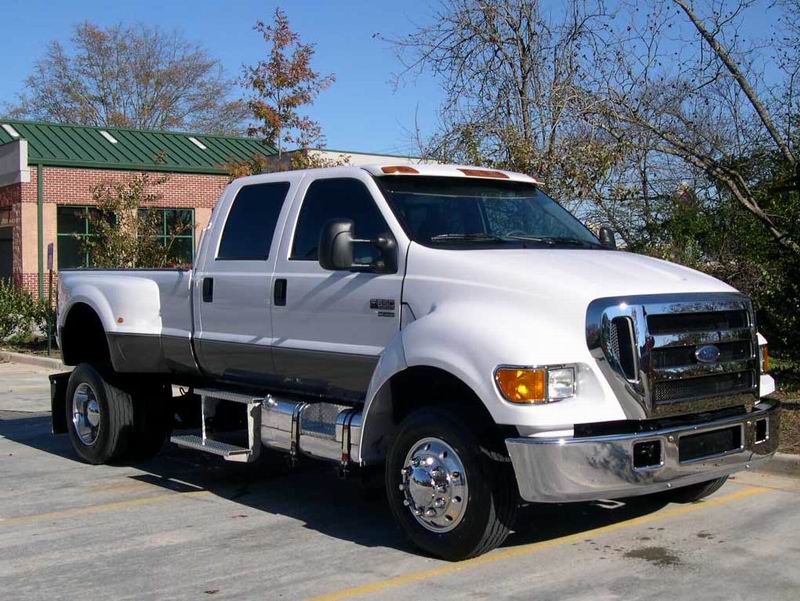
column 336, row 249
column 607, row 238
column 336, row 245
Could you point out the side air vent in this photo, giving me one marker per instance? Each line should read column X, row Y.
column 622, row 346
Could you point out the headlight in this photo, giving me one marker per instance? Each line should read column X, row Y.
column 532, row 385
column 763, row 354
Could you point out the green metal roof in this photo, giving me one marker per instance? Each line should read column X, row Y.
column 135, row 149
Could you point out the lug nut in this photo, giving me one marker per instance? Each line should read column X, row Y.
column 430, row 513
column 438, row 503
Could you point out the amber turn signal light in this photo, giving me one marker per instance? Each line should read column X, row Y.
column 522, row 385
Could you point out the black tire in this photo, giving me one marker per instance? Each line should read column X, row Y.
column 695, row 492
column 492, row 496
column 115, row 410
column 153, row 418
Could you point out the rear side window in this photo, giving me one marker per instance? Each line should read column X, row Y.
column 338, row 198
column 251, row 222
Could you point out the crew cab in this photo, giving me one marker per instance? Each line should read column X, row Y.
column 452, row 328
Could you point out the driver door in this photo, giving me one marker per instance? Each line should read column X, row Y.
column 330, row 327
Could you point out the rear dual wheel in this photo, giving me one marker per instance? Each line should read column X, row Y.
column 111, row 420
column 451, row 490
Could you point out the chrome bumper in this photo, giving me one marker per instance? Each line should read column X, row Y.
column 559, row 470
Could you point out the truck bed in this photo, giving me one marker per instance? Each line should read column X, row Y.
column 146, row 314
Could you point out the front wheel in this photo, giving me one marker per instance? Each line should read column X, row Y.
column 451, row 491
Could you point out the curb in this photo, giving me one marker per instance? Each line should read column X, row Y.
column 782, row 464
column 47, row 362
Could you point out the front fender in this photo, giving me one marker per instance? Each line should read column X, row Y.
column 468, row 341
column 437, row 340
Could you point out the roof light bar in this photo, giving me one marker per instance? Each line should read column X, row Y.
column 10, row 130
column 198, row 143
column 399, row 169
column 484, row 173
column 108, row 136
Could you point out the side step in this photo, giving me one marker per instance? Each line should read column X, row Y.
column 215, row 447
column 209, row 399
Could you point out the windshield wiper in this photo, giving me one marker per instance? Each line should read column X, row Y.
column 475, row 236
column 552, row 240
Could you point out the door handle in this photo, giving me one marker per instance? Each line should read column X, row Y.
column 279, row 297
column 208, row 290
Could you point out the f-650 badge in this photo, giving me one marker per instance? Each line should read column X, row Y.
column 384, row 306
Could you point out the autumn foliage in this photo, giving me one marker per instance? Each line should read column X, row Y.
column 281, row 85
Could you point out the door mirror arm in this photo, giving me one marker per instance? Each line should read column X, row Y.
column 608, row 238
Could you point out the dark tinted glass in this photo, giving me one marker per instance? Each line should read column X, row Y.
column 339, row 198
column 69, row 253
column 464, row 213
column 251, row 222
column 71, row 220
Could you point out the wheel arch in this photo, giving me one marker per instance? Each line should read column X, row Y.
column 82, row 335
column 406, row 390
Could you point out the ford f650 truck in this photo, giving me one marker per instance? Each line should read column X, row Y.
column 452, row 326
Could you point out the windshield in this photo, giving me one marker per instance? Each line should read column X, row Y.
column 476, row 213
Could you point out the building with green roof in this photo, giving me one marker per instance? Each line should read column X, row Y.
column 48, row 171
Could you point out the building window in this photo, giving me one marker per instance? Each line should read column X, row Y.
column 73, row 227
column 175, row 229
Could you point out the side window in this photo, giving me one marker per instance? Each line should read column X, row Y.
column 251, row 222
column 339, row 198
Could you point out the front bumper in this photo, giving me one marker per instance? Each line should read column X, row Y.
column 559, row 470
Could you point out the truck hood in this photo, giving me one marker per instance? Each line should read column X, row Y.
column 574, row 276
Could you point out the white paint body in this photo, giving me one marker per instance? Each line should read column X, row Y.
column 465, row 312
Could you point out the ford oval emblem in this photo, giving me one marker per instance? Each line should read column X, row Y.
column 707, row 353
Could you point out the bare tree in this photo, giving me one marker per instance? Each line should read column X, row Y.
column 130, row 76
column 510, row 73
column 686, row 85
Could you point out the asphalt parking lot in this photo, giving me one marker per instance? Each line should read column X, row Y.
column 187, row 526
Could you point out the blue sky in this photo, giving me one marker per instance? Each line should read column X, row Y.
column 361, row 111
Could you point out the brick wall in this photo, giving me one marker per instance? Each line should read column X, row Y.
column 10, row 194
column 74, row 186
column 68, row 186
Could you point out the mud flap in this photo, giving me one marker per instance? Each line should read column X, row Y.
column 58, row 401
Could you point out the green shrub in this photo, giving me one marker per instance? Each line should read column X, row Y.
column 23, row 318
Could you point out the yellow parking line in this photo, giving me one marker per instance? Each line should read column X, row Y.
column 381, row 585
column 65, row 513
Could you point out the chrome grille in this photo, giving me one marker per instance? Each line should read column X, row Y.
column 666, row 333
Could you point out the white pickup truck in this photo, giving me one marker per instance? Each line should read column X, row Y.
column 453, row 326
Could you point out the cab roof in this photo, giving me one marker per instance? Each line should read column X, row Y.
column 440, row 170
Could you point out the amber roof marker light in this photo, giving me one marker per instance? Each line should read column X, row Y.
column 484, row 173
column 390, row 169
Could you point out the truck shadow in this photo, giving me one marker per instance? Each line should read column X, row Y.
column 314, row 495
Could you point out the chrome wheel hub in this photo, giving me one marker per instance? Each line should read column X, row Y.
column 434, row 485
column 86, row 414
